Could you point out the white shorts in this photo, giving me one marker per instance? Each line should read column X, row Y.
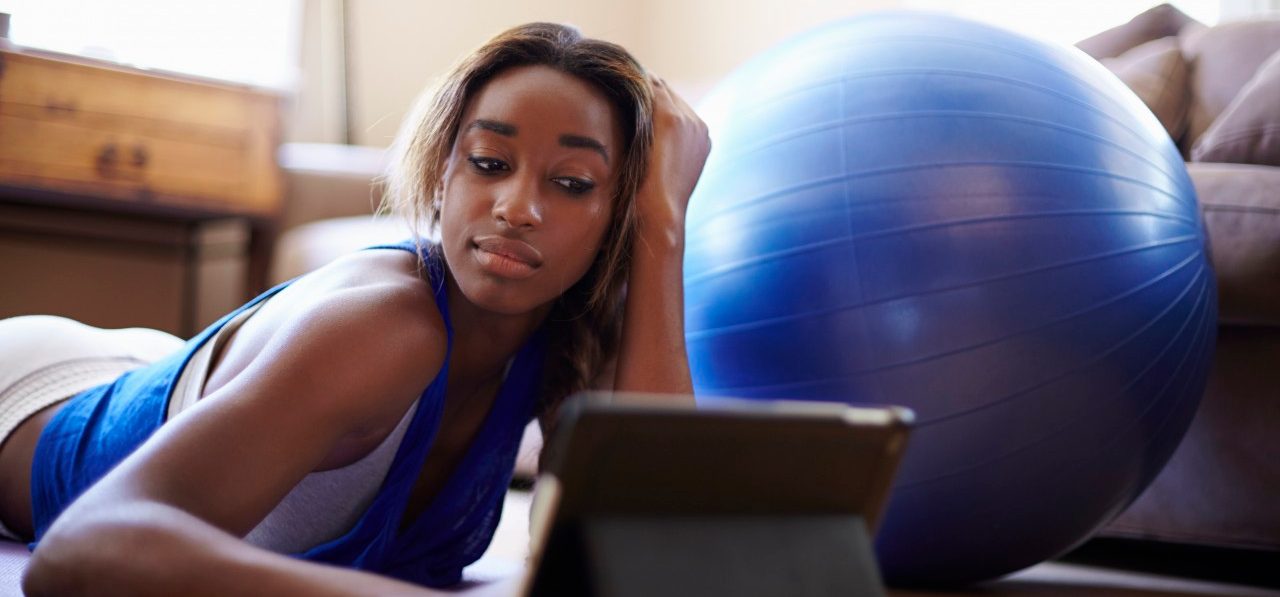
column 46, row 359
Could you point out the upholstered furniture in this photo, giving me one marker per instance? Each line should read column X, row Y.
column 331, row 192
column 1217, row 92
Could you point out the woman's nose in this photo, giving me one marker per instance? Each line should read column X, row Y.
column 518, row 205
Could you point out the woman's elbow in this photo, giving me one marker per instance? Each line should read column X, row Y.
column 94, row 556
column 61, row 564
column 46, row 574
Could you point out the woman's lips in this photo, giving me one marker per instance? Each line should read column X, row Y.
column 506, row 257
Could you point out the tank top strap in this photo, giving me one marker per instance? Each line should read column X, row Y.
column 371, row 540
column 456, row 527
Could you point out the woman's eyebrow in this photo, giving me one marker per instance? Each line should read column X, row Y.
column 585, row 143
column 510, row 130
column 502, row 128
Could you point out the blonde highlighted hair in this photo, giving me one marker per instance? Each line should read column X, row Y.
column 585, row 323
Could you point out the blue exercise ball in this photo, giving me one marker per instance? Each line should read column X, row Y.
column 991, row 230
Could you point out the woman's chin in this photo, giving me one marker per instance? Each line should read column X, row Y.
column 502, row 301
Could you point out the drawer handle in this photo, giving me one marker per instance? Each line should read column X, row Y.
column 140, row 155
column 108, row 156
column 127, row 162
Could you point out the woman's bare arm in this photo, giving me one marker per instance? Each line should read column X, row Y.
column 652, row 355
column 168, row 519
column 145, row 547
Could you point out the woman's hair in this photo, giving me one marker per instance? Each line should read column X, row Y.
column 584, row 326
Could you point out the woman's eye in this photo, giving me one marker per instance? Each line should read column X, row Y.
column 575, row 186
column 488, row 165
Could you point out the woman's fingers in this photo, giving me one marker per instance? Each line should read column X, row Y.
column 663, row 94
column 681, row 145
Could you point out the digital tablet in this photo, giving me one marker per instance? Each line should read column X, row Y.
column 632, row 479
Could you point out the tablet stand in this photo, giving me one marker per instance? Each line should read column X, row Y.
column 675, row 556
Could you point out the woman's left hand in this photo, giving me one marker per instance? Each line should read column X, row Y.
column 680, row 148
column 651, row 357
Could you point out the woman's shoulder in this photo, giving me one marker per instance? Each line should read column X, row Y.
column 382, row 288
column 367, row 324
column 379, row 299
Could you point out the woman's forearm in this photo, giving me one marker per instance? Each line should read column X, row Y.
column 652, row 355
column 148, row 548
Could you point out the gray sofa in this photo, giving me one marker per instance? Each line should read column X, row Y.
column 1217, row 91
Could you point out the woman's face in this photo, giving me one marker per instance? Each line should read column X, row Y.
column 528, row 187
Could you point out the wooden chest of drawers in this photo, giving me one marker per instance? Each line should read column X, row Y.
column 121, row 270
column 94, row 130
column 131, row 198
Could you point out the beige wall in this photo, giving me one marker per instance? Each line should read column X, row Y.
column 397, row 46
column 694, row 43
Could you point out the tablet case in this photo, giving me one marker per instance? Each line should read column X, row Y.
column 730, row 498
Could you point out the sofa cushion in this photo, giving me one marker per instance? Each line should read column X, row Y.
column 309, row 246
column 1248, row 131
column 1160, row 21
column 1225, row 58
column 324, row 180
column 1242, row 213
column 1156, row 72
column 1189, row 37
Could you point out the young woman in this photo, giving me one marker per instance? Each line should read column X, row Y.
column 367, row 414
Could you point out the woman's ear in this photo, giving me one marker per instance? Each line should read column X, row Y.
column 437, row 193
column 443, row 170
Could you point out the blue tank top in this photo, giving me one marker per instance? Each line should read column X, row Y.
column 101, row 426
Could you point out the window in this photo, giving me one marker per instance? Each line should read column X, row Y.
column 246, row 41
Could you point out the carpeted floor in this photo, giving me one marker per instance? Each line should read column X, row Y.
column 1052, row 579
column 13, row 559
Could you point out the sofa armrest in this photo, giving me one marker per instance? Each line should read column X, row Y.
column 329, row 181
column 306, row 247
column 1241, row 205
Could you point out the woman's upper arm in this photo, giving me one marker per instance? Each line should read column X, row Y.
column 339, row 367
